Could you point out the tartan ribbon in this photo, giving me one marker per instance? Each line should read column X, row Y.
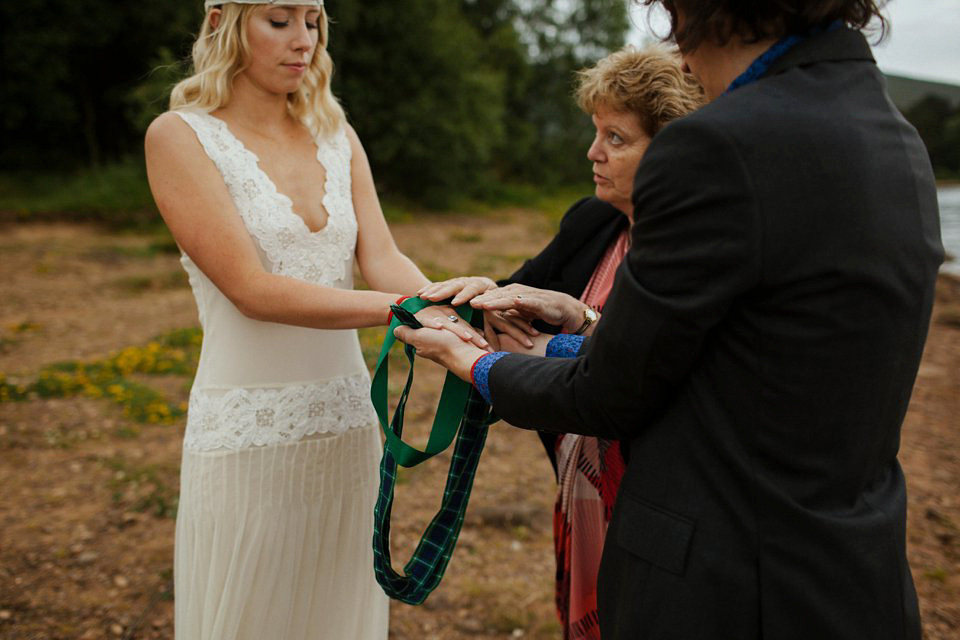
column 462, row 414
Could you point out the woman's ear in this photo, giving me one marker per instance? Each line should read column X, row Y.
column 215, row 14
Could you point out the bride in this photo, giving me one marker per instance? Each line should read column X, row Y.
column 269, row 194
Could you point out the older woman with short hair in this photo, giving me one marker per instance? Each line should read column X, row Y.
column 631, row 95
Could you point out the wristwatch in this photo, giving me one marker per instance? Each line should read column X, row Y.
column 589, row 317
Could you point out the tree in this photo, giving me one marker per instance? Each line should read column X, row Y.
column 413, row 81
column 68, row 68
column 950, row 156
column 540, row 44
column 449, row 96
column 470, row 93
column 936, row 122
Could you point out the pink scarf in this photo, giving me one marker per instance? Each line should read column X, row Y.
column 589, row 471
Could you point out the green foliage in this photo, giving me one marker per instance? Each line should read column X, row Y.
column 116, row 194
column 147, row 488
column 157, row 282
column 938, row 123
column 452, row 98
column 175, row 353
column 419, row 94
column 470, row 95
column 150, row 98
column 69, row 70
column 548, row 134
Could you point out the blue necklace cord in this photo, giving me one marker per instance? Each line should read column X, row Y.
column 760, row 66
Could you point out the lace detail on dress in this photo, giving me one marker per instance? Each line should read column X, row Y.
column 321, row 257
column 243, row 417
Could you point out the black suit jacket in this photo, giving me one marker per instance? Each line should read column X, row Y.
column 757, row 356
column 587, row 229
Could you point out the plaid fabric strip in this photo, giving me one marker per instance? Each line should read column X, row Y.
column 423, row 572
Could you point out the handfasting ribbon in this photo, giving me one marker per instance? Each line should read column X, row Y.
column 461, row 414
column 452, row 399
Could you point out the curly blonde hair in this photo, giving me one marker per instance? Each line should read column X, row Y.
column 647, row 82
column 219, row 54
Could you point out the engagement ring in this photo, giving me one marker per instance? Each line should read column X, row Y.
column 454, row 318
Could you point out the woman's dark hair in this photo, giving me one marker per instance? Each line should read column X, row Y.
column 755, row 20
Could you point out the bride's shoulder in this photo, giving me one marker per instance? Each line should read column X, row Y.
column 170, row 124
column 170, row 135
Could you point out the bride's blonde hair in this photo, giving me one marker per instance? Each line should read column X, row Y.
column 219, row 55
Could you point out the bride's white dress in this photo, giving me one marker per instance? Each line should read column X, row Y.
column 279, row 471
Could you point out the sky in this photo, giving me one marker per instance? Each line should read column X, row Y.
column 924, row 40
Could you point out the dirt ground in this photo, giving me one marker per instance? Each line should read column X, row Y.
column 87, row 493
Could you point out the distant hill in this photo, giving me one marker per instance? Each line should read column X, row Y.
column 906, row 91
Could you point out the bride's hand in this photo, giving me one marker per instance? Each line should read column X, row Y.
column 500, row 324
column 444, row 317
column 553, row 307
column 462, row 289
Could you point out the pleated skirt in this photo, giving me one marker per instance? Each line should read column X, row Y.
column 275, row 542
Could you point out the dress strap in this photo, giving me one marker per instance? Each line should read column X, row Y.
column 255, row 197
column 210, row 133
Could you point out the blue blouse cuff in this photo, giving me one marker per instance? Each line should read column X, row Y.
column 564, row 345
column 481, row 373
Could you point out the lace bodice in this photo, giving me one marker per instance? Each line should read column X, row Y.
column 288, row 244
column 261, row 383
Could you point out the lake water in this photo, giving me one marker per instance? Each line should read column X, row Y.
column 950, row 226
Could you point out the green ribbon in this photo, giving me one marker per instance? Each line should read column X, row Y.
column 461, row 414
column 453, row 398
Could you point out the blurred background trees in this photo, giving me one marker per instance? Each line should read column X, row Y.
column 71, row 73
column 452, row 98
column 938, row 123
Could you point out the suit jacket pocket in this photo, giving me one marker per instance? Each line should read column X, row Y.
column 658, row 536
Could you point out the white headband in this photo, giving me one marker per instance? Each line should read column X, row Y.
column 308, row 3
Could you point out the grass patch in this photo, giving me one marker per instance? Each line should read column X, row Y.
column 14, row 333
column 506, row 618
column 175, row 353
column 467, row 237
column 551, row 200
column 61, row 438
column 937, row 575
column 395, row 211
column 117, row 195
column 434, row 272
column 144, row 488
column 8, row 344
column 156, row 282
column 112, row 253
column 496, row 265
column 371, row 340
column 26, row 326
column 949, row 314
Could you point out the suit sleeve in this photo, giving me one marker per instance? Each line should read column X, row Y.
column 695, row 248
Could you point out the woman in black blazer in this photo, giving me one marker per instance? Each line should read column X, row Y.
column 630, row 95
